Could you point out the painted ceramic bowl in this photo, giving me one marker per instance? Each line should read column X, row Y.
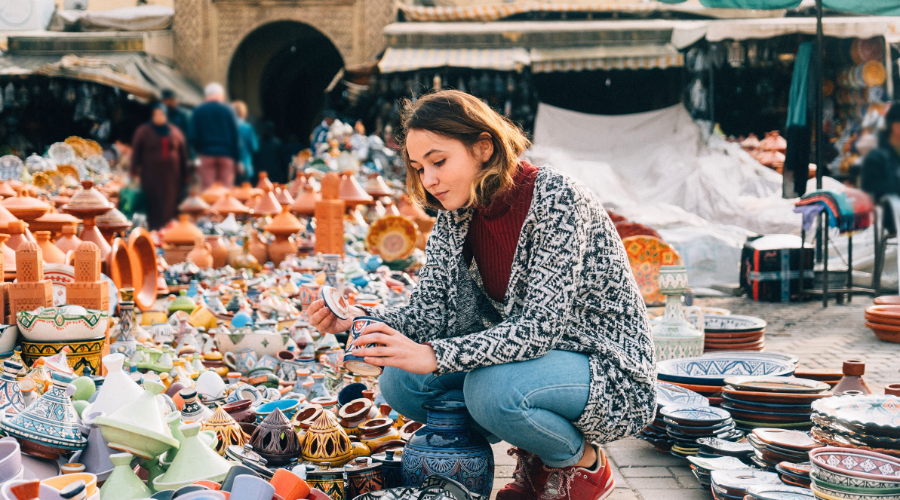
column 841, row 479
column 857, row 463
column 714, row 371
column 826, row 493
column 262, row 342
column 818, row 480
column 46, row 324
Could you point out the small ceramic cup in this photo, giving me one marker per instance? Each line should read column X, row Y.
column 356, row 364
column 247, row 487
column 71, row 468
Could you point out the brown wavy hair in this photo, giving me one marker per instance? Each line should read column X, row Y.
column 463, row 117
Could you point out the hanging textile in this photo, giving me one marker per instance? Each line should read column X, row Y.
column 797, row 130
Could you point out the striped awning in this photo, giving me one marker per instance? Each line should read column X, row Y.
column 605, row 58
column 397, row 59
column 493, row 12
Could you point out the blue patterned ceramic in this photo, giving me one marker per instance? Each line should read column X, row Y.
column 355, row 364
column 702, row 415
column 49, row 427
column 675, row 395
column 447, row 446
column 714, row 370
column 287, row 406
column 11, row 400
column 245, row 391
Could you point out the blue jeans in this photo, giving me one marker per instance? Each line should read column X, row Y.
column 530, row 404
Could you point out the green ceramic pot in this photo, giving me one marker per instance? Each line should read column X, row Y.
column 123, row 483
column 195, row 461
column 139, row 426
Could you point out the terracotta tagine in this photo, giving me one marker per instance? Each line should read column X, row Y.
column 252, row 202
column 5, row 218
column 305, row 202
column 50, row 252
column 6, row 190
column 276, row 441
column 16, row 235
column 112, row 223
column 53, row 222
column 351, row 192
column 376, row 187
column 214, row 193
column 267, row 205
column 264, row 184
column 201, row 254
column 68, row 241
column 245, row 192
column 284, row 198
column 87, row 204
column 326, row 441
column 259, row 247
column 218, row 250
column 184, row 232
column 194, row 206
column 283, row 226
column 24, row 206
column 852, row 379
column 227, row 205
column 9, row 258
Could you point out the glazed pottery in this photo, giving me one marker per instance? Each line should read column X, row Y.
column 289, row 486
column 714, row 370
column 391, row 468
column 195, row 461
column 252, row 488
column 95, row 455
column 240, row 411
column 48, row 427
column 461, row 450
column 852, row 379
column 674, row 395
column 193, row 410
column 328, row 480
column 11, row 401
column 227, row 430
column 10, row 460
column 335, row 302
column 275, row 440
column 118, row 388
column 355, row 364
column 673, row 335
column 363, row 475
column 877, row 414
column 777, row 384
column 123, row 483
column 261, row 342
column 139, row 426
column 287, row 406
column 392, row 237
column 126, row 330
column 846, row 479
column 59, row 484
column 242, row 360
column 8, row 334
column 210, row 386
column 356, row 412
column 245, row 391
column 374, row 433
column 646, row 255
column 64, row 323
column 857, row 463
column 79, row 354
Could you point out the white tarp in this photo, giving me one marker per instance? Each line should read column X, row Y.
column 703, row 195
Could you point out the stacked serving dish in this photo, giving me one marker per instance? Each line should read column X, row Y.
column 795, row 474
column 711, row 447
column 775, row 446
column 782, row 402
column 850, row 474
column 884, row 320
column 733, row 484
column 706, row 375
column 732, row 332
column 686, row 424
column 864, row 422
column 704, row 467
column 778, row 492
column 668, row 395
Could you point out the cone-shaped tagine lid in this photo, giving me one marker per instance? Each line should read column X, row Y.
column 195, row 461
column 229, row 205
column 283, row 224
column 305, row 203
column 183, row 233
column 264, row 183
column 214, row 193
column 351, row 192
column 139, row 427
column 267, row 205
column 118, row 388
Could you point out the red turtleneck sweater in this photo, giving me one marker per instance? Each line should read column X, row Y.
column 494, row 232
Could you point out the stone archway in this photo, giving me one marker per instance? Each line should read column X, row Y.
column 281, row 70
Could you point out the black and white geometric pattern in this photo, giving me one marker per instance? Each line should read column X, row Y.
column 571, row 289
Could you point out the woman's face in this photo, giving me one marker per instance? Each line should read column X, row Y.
column 446, row 166
column 159, row 117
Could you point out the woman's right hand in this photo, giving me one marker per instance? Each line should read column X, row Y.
column 323, row 320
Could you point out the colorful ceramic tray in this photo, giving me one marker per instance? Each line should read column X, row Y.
column 779, row 356
column 725, row 447
column 703, row 390
column 392, row 237
column 819, row 480
column 646, row 254
column 855, row 435
column 773, row 397
column 843, row 479
column 714, row 370
column 721, row 463
column 826, row 493
column 732, row 323
column 858, row 463
column 777, row 384
column 335, row 302
column 671, row 394
column 696, row 415
column 880, row 414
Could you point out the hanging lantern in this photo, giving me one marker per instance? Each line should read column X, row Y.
column 735, row 54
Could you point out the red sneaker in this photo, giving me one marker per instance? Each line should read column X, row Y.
column 578, row 483
column 522, row 487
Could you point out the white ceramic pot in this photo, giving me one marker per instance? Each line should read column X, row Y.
column 261, row 342
column 64, row 323
column 8, row 334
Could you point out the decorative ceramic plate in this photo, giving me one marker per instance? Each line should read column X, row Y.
column 731, row 323
column 857, row 463
column 777, row 384
column 718, row 464
column 774, row 492
column 703, row 390
column 725, row 446
column 881, row 413
column 853, row 481
column 773, row 397
column 779, row 356
column 708, row 429
column 765, row 415
column 821, row 490
column 851, row 432
column 736, row 482
column 670, row 394
column 753, row 425
column 702, row 415
column 714, row 370
column 392, row 237
column 796, row 469
column 335, row 302
column 832, row 439
column 785, row 408
column 884, row 488
column 646, row 254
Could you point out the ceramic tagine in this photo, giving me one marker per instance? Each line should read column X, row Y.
column 125, row 340
column 195, row 461
column 227, row 430
column 283, row 226
column 139, row 427
column 326, row 441
column 673, row 335
column 275, row 440
column 118, row 388
column 11, row 401
column 49, row 427
column 123, row 483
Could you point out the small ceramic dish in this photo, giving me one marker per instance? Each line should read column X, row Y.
column 736, row 482
column 335, row 302
column 774, row 397
column 702, row 416
column 777, row 384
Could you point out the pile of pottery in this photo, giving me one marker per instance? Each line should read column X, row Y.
column 734, row 484
column 869, row 423
column 794, row 474
column 769, row 491
column 848, row 474
column 782, row 402
column 706, row 374
column 733, row 333
column 686, row 424
column 703, row 467
column 668, row 395
column 775, row 446
column 884, row 321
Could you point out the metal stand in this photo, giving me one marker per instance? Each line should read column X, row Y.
column 825, row 291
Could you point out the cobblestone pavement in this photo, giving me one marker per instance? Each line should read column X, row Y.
column 822, row 337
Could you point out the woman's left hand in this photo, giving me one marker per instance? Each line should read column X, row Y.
column 394, row 349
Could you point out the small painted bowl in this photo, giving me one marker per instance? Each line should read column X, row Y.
column 287, row 406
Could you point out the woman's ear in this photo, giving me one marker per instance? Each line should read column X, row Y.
column 485, row 146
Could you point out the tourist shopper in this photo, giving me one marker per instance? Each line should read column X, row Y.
column 320, row 133
column 526, row 309
column 249, row 142
column 881, row 167
column 213, row 133
column 175, row 113
column 159, row 161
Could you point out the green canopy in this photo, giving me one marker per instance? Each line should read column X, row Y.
column 868, row 7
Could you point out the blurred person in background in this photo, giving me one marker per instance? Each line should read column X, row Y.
column 320, row 134
column 270, row 156
column 213, row 132
column 177, row 115
column 249, row 142
column 881, row 166
column 159, row 160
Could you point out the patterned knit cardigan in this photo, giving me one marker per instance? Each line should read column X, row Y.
column 571, row 289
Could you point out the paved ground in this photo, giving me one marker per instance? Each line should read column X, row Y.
column 823, row 338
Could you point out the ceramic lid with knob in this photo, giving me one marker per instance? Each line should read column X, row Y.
column 88, row 197
column 183, row 233
column 24, row 206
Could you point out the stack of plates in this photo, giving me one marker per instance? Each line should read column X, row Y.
column 733, row 484
column 865, row 422
column 668, row 395
column 776, row 492
column 716, row 448
column 884, row 322
column 774, row 446
column 830, row 377
column 782, row 402
column 794, row 474
column 706, row 374
column 847, row 474
column 732, row 332
column 704, row 467
column 686, row 424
